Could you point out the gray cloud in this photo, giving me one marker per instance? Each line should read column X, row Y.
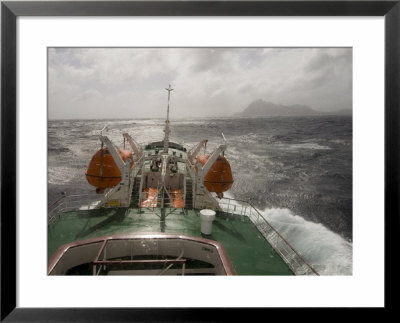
column 129, row 82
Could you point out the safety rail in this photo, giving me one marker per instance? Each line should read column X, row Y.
column 291, row 256
column 72, row 203
column 294, row 260
column 102, row 263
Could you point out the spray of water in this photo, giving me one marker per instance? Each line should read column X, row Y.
column 328, row 252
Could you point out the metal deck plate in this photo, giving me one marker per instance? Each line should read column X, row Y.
column 247, row 249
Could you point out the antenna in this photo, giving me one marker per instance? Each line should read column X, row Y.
column 166, row 130
column 169, row 89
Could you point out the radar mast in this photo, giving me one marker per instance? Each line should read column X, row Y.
column 166, row 130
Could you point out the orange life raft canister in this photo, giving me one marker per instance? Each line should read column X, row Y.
column 103, row 172
column 219, row 178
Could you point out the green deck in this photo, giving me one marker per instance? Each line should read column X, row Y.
column 247, row 249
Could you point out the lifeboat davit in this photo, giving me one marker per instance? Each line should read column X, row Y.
column 103, row 172
column 219, row 178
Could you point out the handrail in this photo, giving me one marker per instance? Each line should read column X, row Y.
column 56, row 201
column 287, row 242
column 72, row 203
column 259, row 215
column 288, row 253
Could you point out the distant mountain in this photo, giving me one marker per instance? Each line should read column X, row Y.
column 260, row 108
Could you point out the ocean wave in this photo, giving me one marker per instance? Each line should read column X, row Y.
column 301, row 146
column 62, row 175
column 303, row 166
column 326, row 251
column 58, row 150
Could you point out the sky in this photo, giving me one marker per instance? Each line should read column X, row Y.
column 119, row 83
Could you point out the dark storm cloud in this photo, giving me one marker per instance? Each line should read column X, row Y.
column 208, row 59
column 322, row 61
column 130, row 82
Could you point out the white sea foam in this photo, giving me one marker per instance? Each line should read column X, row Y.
column 60, row 175
column 190, row 122
column 300, row 146
column 326, row 251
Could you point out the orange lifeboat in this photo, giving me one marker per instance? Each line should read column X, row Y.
column 219, row 178
column 103, row 172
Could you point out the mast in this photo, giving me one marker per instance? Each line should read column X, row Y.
column 166, row 130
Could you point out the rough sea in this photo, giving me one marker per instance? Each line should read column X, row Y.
column 296, row 170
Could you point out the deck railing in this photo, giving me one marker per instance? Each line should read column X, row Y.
column 72, row 203
column 289, row 254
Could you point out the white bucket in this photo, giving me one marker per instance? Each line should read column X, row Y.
column 206, row 219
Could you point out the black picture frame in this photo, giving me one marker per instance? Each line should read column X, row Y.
column 11, row 10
